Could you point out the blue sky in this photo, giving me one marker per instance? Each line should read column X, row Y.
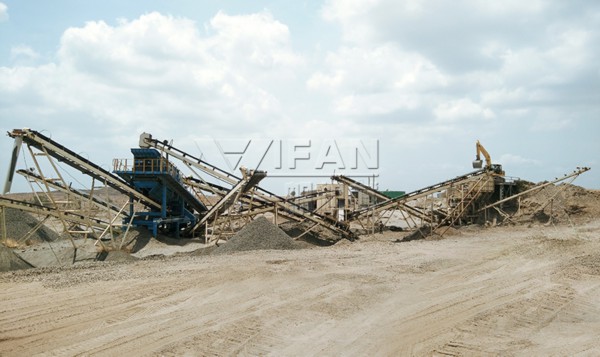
column 424, row 78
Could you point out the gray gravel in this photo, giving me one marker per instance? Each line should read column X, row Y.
column 9, row 261
column 260, row 234
column 18, row 223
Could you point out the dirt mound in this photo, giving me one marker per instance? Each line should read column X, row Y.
column 18, row 223
column 9, row 261
column 447, row 231
column 560, row 203
column 260, row 234
column 421, row 233
column 427, row 232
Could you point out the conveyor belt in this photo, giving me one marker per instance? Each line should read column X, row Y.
column 63, row 154
column 81, row 195
column 360, row 187
column 413, row 195
column 248, row 199
column 43, row 210
column 224, row 203
column 380, row 196
column 325, row 222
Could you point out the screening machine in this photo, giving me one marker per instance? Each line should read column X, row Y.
column 157, row 178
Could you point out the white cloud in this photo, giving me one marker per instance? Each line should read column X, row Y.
column 508, row 7
column 160, row 69
column 516, row 160
column 551, row 123
column 376, row 80
column 255, row 39
column 388, row 68
column 374, row 104
column 461, row 109
column 23, row 52
column 3, row 12
column 434, row 75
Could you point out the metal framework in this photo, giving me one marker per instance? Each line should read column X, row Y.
column 163, row 197
column 415, row 217
column 277, row 203
column 83, row 213
column 410, row 214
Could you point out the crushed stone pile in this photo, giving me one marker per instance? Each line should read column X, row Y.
column 260, row 234
column 317, row 236
column 561, row 202
column 58, row 254
column 18, row 223
column 9, row 261
column 116, row 256
column 137, row 239
column 140, row 243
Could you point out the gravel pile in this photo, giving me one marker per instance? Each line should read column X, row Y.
column 260, row 234
column 18, row 223
column 317, row 236
column 9, row 261
column 116, row 256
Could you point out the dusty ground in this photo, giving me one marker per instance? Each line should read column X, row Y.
column 497, row 291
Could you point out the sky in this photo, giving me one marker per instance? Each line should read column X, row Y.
column 397, row 89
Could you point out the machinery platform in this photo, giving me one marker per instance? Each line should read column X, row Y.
column 155, row 177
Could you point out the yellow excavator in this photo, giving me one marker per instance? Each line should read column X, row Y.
column 478, row 163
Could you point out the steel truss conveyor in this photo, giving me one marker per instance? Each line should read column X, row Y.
column 402, row 200
column 251, row 204
column 360, row 187
column 147, row 141
column 81, row 196
column 72, row 217
column 378, row 195
column 50, row 147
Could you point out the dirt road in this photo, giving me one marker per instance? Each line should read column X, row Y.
column 508, row 291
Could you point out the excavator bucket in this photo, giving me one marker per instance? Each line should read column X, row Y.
column 477, row 164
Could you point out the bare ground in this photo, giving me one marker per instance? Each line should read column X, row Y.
column 497, row 291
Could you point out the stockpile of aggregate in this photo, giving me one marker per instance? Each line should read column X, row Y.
column 18, row 223
column 317, row 236
column 9, row 261
column 568, row 202
column 115, row 256
column 260, row 234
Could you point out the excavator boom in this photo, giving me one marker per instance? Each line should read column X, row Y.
column 478, row 163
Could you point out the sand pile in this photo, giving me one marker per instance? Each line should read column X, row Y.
column 260, row 234
column 10, row 261
column 561, row 202
column 18, row 223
